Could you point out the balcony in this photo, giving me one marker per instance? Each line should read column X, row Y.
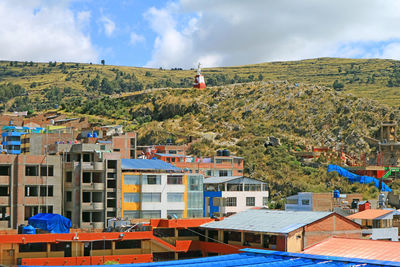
column 92, row 205
column 93, row 186
column 93, row 166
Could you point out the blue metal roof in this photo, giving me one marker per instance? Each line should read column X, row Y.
column 147, row 164
column 258, row 257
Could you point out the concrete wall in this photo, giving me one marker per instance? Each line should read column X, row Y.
column 241, row 200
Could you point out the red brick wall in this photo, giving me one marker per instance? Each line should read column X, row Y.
column 333, row 225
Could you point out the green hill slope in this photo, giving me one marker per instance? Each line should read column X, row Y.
column 243, row 105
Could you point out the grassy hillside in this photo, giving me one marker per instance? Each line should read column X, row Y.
column 243, row 105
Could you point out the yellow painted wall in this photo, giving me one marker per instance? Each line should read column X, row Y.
column 130, row 188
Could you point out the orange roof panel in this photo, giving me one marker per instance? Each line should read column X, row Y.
column 357, row 248
column 369, row 214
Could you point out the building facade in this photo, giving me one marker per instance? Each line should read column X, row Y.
column 155, row 189
column 92, row 183
column 28, row 185
column 308, row 201
column 224, row 196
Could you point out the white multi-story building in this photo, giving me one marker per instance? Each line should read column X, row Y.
column 229, row 195
column 156, row 189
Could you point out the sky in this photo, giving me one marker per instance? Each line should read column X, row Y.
column 181, row 33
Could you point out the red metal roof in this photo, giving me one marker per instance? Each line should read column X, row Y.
column 369, row 214
column 357, row 248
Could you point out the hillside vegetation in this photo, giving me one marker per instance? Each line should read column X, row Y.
column 294, row 101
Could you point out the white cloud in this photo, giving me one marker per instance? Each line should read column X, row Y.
column 40, row 30
column 109, row 25
column 136, row 38
column 234, row 32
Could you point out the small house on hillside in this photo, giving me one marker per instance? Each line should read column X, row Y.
column 291, row 231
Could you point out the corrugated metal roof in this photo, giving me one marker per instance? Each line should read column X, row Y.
column 258, row 257
column 269, row 221
column 232, row 179
column 369, row 214
column 357, row 248
column 147, row 164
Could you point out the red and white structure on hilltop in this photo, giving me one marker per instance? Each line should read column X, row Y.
column 199, row 79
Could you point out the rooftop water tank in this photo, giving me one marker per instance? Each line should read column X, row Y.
column 220, row 152
column 89, row 135
column 95, row 134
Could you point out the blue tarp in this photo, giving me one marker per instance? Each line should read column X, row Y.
column 29, row 230
column 52, row 223
column 355, row 178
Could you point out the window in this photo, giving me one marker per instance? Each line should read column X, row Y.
column 31, row 191
column 86, row 157
column 131, row 214
column 43, row 170
column 178, row 213
column 305, row 202
column 100, row 245
column 59, row 246
column 235, row 187
column 111, row 164
column 148, row 214
column 31, row 170
column 151, row 197
column 5, row 170
column 128, row 244
column 223, row 173
column 209, row 172
column 174, row 179
column 68, row 178
column 152, row 179
column 269, row 241
column 116, row 150
column 44, row 192
column 175, row 197
column 33, row 247
column 293, row 201
column 132, row 179
column 113, row 175
column 250, row 201
column 252, row 238
column 265, row 201
column 4, row 213
column 69, row 196
column 86, row 177
column 131, row 197
column 231, row 202
column 4, row 191
column 69, row 215
column 234, row 236
column 252, row 187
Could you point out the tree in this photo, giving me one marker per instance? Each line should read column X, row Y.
column 260, row 77
column 337, row 85
column 103, row 62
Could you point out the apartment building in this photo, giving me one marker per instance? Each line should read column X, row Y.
column 92, row 183
column 224, row 196
column 155, row 189
column 28, row 185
